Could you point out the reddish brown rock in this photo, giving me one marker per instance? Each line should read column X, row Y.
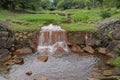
column 43, row 58
column 60, row 51
column 102, row 50
column 75, row 55
column 18, row 52
column 110, row 55
column 10, row 62
column 76, row 49
column 107, row 72
column 23, row 51
column 46, row 52
column 73, row 49
column 19, row 61
column 29, row 73
column 69, row 44
column 89, row 49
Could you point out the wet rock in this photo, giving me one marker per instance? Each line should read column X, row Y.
column 116, row 34
column 29, row 73
column 5, row 25
column 75, row 55
column 102, row 50
column 19, row 61
column 92, row 42
column 4, row 54
column 111, row 55
column 6, row 58
column 116, row 71
column 107, row 72
column 108, row 62
column 41, row 78
column 10, row 62
column 109, row 34
column 43, row 58
column 77, row 49
column 89, row 49
column 23, row 51
column 69, row 44
column 60, row 51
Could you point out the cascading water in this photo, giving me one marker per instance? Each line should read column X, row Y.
column 51, row 38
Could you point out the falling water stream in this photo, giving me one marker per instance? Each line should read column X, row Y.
column 64, row 67
column 51, row 38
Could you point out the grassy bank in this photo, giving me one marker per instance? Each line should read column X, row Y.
column 77, row 20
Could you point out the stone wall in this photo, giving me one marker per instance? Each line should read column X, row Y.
column 26, row 39
column 30, row 39
column 109, row 34
column 82, row 38
column 6, row 39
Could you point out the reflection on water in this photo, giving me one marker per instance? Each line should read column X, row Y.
column 56, row 68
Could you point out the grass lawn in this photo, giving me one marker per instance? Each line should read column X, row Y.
column 78, row 21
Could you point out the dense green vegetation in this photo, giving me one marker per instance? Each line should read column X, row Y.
column 72, row 15
column 116, row 62
column 71, row 19
column 57, row 4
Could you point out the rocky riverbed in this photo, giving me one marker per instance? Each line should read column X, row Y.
column 66, row 67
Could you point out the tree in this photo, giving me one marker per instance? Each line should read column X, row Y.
column 24, row 4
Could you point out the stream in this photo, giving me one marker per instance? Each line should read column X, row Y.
column 56, row 68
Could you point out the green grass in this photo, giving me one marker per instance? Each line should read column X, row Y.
column 116, row 62
column 78, row 27
column 39, row 18
column 80, row 20
column 5, row 14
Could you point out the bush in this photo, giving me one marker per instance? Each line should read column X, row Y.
column 105, row 14
column 116, row 62
column 80, row 17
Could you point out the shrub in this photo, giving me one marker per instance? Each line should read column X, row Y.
column 80, row 17
column 105, row 14
column 116, row 62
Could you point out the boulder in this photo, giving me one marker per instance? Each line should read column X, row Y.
column 60, row 51
column 6, row 35
column 5, row 25
column 102, row 50
column 116, row 71
column 76, row 49
column 108, row 32
column 4, row 54
column 107, row 72
column 75, row 55
column 111, row 55
column 23, row 51
column 19, row 61
column 43, row 58
column 116, row 34
column 92, row 42
column 89, row 49
column 29, row 73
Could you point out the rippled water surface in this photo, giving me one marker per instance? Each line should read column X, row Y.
column 56, row 68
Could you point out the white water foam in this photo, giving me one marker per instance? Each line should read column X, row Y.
column 51, row 37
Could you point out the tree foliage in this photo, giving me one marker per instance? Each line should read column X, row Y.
column 57, row 4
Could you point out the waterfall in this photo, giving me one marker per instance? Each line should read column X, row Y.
column 51, row 38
